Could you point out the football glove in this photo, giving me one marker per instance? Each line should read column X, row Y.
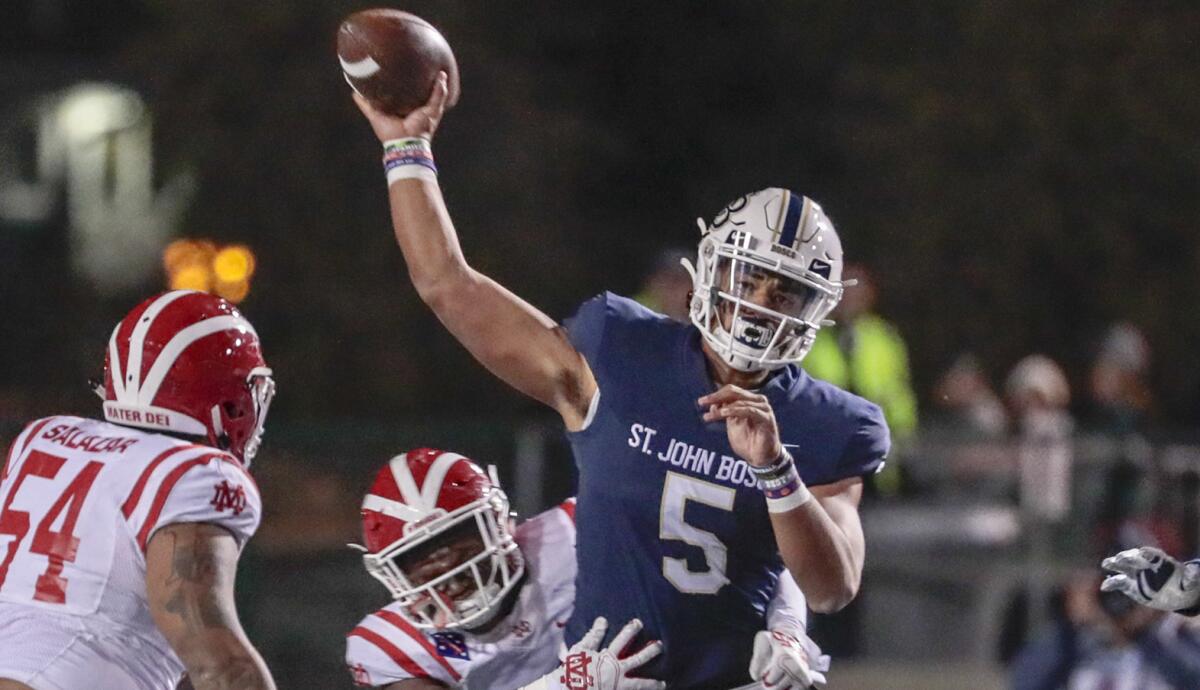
column 1152, row 578
column 587, row 667
column 783, row 662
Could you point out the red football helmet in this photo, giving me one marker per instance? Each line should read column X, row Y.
column 188, row 362
column 420, row 496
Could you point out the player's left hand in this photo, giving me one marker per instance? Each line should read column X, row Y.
column 780, row 662
column 749, row 421
column 1152, row 578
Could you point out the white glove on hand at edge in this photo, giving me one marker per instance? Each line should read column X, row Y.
column 1152, row 578
column 783, row 662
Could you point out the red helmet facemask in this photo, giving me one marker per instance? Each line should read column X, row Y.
column 188, row 362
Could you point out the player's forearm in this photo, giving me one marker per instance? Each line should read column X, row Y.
column 427, row 238
column 238, row 667
column 824, row 560
column 214, row 649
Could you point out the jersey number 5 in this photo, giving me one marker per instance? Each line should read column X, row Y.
column 677, row 491
column 59, row 547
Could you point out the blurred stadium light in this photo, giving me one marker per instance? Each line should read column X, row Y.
column 201, row 265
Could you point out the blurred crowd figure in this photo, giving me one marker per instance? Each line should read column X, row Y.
column 865, row 354
column 1039, row 397
column 967, row 402
column 1118, row 380
column 1104, row 641
column 666, row 288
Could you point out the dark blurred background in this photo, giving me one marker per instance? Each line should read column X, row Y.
column 1017, row 177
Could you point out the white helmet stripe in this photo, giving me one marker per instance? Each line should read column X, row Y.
column 407, row 485
column 435, row 476
column 395, row 509
column 781, row 217
column 180, row 342
column 805, row 209
column 137, row 341
column 114, row 366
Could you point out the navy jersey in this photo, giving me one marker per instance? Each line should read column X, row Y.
column 671, row 526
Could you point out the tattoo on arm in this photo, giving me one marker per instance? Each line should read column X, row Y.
column 193, row 563
column 189, row 582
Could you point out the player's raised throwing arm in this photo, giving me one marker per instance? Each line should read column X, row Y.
column 189, row 582
column 510, row 337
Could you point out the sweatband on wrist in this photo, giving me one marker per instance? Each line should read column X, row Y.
column 781, row 484
column 408, row 158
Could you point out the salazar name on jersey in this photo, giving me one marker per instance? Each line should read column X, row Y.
column 80, row 500
column 672, row 528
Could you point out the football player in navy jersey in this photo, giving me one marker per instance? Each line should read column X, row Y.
column 708, row 460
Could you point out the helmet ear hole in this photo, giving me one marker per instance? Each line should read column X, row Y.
column 232, row 410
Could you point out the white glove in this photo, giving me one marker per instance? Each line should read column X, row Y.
column 783, row 662
column 1152, row 578
column 587, row 667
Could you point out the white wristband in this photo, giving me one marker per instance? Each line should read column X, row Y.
column 410, row 158
column 797, row 498
column 410, row 172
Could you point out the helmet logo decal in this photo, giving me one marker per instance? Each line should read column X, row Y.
column 821, row 268
column 733, row 207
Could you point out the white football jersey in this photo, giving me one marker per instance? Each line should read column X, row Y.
column 520, row 648
column 79, row 501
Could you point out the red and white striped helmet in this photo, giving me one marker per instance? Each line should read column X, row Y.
column 424, row 494
column 188, row 362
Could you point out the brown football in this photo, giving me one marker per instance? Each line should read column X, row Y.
column 393, row 58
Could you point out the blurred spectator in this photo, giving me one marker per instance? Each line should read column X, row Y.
column 666, row 289
column 1117, row 380
column 967, row 401
column 865, row 354
column 1103, row 642
column 1120, row 402
column 1038, row 396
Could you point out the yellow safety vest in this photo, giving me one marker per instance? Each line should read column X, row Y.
column 877, row 369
